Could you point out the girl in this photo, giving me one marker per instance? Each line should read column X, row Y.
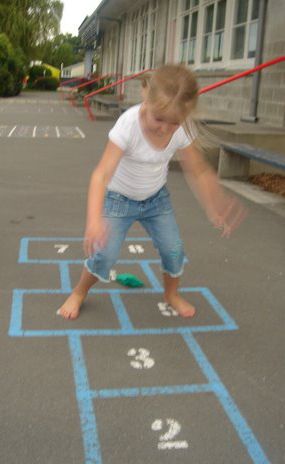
column 129, row 185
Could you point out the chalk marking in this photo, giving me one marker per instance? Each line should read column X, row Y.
column 57, row 132
column 166, row 310
column 165, row 440
column 142, row 359
column 34, row 131
column 80, row 132
column 11, row 132
column 61, row 248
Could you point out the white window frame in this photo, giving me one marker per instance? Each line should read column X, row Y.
column 136, row 49
column 189, row 12
column 227, row 61
column 110, row 50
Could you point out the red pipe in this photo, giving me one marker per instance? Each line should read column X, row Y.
column 89, row 82
column 71, row 80
column 242, row 74
column 120, row 81
column 201, row 91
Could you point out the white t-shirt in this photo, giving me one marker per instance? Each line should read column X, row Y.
column 143, row 169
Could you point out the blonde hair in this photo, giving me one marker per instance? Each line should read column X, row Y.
column 174, row 87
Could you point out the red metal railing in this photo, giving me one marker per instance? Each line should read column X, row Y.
column 69, row 81
column 81, row 86
column 114, row 84
column 201, row 91
column 242, row 74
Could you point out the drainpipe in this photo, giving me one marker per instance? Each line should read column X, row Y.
column 252, row 117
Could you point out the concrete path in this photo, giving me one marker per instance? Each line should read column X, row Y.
column 129, row 382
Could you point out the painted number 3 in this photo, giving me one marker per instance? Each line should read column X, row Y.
column 141, row 358
column 172, row 429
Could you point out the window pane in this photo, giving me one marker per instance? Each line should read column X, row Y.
column 241, row 11
column 194, row 22
column 221, row 15
column 206, row 48
column 191, row 53
column 185, row 27
column 183, row 51
column 238, row 44
column 186, row 5
column 218, row 46
column 209, row 18
column 194, row 3
column 252, row 40
column 255, row 8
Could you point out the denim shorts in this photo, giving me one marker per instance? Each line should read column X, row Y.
column 156, row 215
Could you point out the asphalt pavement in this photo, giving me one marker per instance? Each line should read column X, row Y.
column 129, row 382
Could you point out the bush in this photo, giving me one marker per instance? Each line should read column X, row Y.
column 46, row 83
column 37, row 71
column 11, row 68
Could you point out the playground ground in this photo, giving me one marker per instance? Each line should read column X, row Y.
column 128, row 382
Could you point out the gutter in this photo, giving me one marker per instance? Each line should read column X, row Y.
column 252, row 117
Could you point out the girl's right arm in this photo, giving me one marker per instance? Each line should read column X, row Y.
column 96, row 230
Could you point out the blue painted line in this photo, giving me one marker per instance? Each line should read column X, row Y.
column 27, row 260
column 119, row 332
column 218, row 308
column 84, row 399
column 58, row 291
column 242, row 428
column 152, row 391
column 65, row 277
column 121, row 312
column 16, row 314
column 115, row 295
column 77, row 239
column 151, row 276
column 23, row 252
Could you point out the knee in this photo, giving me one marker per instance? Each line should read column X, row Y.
column 173, row 253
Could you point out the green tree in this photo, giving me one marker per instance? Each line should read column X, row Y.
column 28, row 23
column 64, row 48
column 12, row 69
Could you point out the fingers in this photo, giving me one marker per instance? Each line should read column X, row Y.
column 232, row 223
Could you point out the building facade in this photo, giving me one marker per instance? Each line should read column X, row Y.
column 216, row 38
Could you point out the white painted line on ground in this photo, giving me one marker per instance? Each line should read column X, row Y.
column 80, row 132
column 11, row 132
column 34, row 131
column 57, row 132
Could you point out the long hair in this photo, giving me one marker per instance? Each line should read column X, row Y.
column 174, row 88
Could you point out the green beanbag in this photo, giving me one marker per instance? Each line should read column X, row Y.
column 129, row 280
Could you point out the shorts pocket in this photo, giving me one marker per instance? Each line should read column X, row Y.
column 163, row 203
column 115, row 205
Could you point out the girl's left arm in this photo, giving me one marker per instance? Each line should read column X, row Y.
column 225, row 211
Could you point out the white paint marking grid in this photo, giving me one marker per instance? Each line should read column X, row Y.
column 23, row 131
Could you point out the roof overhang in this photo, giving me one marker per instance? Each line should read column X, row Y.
column 108, row 12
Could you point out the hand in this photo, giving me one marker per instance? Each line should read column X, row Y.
column 95, row 237
column 226, row 213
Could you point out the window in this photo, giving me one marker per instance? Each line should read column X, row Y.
column 142, row 36
column 245, row 29
column 189, row 31
column 214, row 29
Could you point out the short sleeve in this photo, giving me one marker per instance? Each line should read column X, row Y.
column 185, row 139
column 120, row 132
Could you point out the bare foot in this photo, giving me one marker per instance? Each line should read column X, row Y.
column 182, row 306
column 71, row 307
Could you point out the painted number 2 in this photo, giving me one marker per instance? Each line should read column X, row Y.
column 172, row 429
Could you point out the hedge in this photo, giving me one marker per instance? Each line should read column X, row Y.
column 12, row 70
